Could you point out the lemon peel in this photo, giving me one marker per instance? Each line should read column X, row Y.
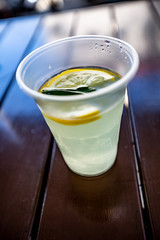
column 77, row 120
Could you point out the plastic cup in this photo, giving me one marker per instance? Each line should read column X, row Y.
column 89, row 146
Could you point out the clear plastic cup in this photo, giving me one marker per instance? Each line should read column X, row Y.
column 89, row 147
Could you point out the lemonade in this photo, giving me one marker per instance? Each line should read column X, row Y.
column 89, row 134
column 82, row 98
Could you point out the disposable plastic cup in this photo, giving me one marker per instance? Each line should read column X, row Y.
column 88, row 144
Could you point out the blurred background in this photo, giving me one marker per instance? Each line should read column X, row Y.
column 12, row 8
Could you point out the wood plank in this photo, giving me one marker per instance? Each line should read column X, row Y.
column 145, row 99
column 93, row 21
column 144, row 95
column 142, row 33
column 14, row 42
column 24, row 146
column 93, row 208
column 52, row 27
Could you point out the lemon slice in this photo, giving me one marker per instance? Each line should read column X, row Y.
column 73, row 78
column 84, row 116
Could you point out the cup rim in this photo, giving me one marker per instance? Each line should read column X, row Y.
column 109, row 89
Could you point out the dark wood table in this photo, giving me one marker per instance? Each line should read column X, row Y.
column 40, row 197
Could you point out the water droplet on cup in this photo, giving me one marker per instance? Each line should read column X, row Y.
column 107, row 42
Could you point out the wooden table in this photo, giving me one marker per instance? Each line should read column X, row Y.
column 40, row 197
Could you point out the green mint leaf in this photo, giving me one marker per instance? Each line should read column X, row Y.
column 71, row 91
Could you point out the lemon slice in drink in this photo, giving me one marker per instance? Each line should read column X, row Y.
column 78, row 117
column 72, row 79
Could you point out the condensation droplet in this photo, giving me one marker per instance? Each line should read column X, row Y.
column 49, row 66
column 121, row 49
column 107, row 42
column 96, row 45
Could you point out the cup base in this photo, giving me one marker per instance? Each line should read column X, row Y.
column 92, row 175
